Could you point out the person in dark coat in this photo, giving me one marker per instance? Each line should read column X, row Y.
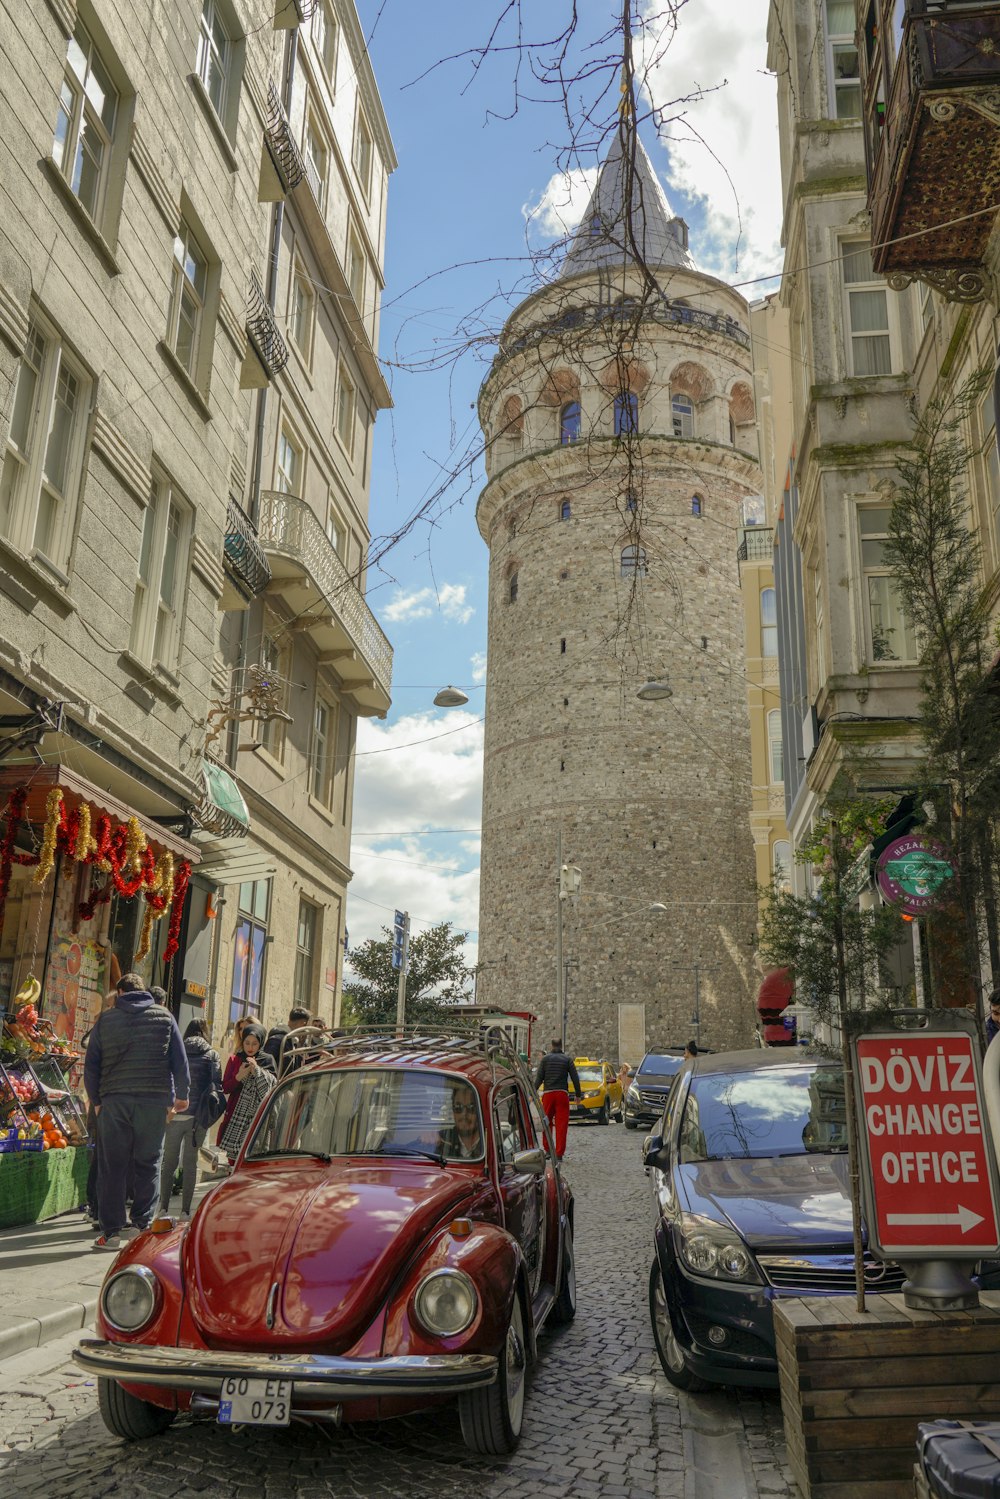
column 184, row 1135
column 554, row 1073
column 277, row 1039
column 237, row 1070
column 249, row 1084
column 135, row 1071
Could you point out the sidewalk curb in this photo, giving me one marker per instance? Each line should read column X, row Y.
column 32, row 1331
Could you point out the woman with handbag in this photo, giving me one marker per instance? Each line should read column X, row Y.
column 186, row 1131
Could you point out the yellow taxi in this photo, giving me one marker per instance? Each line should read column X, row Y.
column 602, row 1092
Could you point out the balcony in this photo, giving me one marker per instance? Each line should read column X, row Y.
column 288, row 14
column 268, row 352
column 757, row 545
column 282, row 167
column 247, row 570
column 932, row 139
column 326, row 601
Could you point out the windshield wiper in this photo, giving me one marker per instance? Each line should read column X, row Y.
column 420, row 1154
column 270, row 1155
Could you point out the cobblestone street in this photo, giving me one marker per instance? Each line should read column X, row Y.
column 601, row 1419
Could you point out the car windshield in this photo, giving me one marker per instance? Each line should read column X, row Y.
column 590, row 1074
column 776, row 1111
column 658, row 1069
column 379, row 1111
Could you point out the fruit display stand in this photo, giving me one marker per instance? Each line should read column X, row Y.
column 44, row 1160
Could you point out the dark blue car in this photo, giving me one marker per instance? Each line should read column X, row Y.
column 749, row 1176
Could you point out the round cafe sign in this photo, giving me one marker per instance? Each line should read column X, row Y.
column 913, row 871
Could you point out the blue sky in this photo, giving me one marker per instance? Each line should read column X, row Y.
column 472, row 192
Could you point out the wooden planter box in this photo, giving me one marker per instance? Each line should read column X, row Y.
column 40, row 1184
column 855, row 1385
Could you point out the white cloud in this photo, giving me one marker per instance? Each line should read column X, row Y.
column 427, row 775
column 449, row 600
column 478, row 664
column 559, row 207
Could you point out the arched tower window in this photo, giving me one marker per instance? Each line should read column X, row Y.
column 512, row 588
column 682, row 416
column 512, row 419
column 697, row 505
column 768, row 623
column 569, row 423
column 634, row 562
column 626, row 413
column 565, row 510
column 775, row 755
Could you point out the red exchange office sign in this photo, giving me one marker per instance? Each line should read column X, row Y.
column 931, row 1187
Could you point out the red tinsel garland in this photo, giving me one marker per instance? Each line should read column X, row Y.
column 181, row 878
column 15, row 812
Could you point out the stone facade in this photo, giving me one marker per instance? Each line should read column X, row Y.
column 612, row 561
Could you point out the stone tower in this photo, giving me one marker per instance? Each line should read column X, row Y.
column 621, row 454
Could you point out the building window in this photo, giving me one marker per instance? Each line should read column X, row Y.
column 697, row 505
column 324, row 39
column 346, row 399
column 85, row 124
column 44, row 453
column 842, row 60
column 819, row 618
column 891, row 632
column 187, row 299
column 512, row 589
column 633, row 562
column 768, row 623
column 336, row 532
column 991, row 463
column 275, row 659
column 682, row 416
column 305, row 948
column 626, row 413
column 363, row 152
column 869, row 345
column 289, row 464
column 925, row 295
column 302, row 312
column 324, row 741
column 250, row 950
column 565, row 510
column 317, row 154
column 569, row 423
column 215, row 51
column 162, row 574
column 775, row 756
column 781, row 864
column 356, row 271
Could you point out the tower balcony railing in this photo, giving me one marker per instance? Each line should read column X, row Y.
column 328, row 602
column 577, row 319
column 243, row 554
column 757, row 544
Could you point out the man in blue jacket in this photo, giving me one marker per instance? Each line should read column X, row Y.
column 136, row 1069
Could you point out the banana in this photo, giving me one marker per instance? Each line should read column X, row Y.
column 28, row 994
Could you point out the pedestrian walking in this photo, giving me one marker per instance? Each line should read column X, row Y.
column 554, row 1073
column 247, row 1085
column 624, row 1077
column 690, row 1050
column 185, row 1134
column 135, row 1070
column 91, row 1204
column 278, row 1047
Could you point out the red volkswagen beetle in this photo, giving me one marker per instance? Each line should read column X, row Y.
column 395, row 1233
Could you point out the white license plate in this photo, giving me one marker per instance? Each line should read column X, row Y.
column 255, row 1402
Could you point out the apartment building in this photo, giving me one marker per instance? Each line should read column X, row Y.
column 190, row 271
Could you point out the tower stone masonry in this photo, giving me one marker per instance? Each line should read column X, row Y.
column 621, row 452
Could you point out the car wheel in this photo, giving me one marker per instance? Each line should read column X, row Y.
column 604, row 1117
column 126, row 1416
column 564, row 1309
column 670, row 1351
column 491, row 1417
column 630, row 1125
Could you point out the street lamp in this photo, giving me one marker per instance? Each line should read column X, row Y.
column 450, row 697
column 653, row 691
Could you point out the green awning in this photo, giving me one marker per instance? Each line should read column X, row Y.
column 222, row 809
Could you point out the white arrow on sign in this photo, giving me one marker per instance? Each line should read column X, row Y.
column 965, row 1218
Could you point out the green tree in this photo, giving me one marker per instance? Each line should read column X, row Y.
column 437, row 978
column 937, row 567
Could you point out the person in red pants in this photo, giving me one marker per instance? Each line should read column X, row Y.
column 554, row 1073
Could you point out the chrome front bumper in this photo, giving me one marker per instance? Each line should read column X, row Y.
column 201, row 1370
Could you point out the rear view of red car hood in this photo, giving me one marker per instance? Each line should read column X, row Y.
column 332, row 1239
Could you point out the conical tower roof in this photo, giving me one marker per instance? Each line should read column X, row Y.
column 658, row 238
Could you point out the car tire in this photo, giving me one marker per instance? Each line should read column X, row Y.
column 128, row 1417
column 630, row 1125
column 604, row 1117
column 564, row 1307
column 492, row 1417
column 670, row 1352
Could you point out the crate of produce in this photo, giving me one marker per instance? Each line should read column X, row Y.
column 960, row 1459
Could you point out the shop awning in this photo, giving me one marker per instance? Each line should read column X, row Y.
column 76, row 788
column 231, row 861
column 775, row 993
column 222, row 810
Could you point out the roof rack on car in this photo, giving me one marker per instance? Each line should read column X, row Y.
column 313, row 1044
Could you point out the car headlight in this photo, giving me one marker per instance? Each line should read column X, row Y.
column 131, row 1298
column 633, row 1095
column 446, row 1302
column 710, row 1249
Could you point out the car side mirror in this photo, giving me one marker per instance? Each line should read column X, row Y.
column 655, row 1152
column 529, row 1162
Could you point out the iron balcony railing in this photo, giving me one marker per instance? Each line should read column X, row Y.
column 757, row 544
column 288, row 528
column 242, row 549
column 625, row 310
column 262, row 330
column 281, row 144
